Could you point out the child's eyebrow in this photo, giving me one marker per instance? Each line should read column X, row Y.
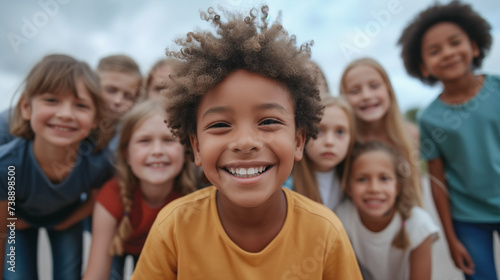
column 216, row 110
column 453, row 36
column 271, row 106
column 260, row 107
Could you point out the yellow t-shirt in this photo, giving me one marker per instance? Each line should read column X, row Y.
column 187, row 241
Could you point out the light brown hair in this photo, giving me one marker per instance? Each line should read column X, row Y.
column 394, row 122
column 59, row 74
column 304, row 176
column 184, row 182
column 243, row 42
column 407, row 197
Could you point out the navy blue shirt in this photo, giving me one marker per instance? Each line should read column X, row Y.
column 40, row 202
column 5, row 136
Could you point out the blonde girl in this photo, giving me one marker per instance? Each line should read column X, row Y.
column 367, row 88
column 57, row 160
column 390, row 234
column 318, row 174
column 153, row 168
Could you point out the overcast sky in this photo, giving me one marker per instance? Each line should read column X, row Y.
column 342, row 30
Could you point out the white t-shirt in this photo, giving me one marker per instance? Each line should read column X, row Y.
column 329, row 188
column 374, row 250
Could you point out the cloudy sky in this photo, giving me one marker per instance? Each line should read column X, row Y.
column 341, row 30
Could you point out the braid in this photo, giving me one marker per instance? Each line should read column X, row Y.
column 125, row 227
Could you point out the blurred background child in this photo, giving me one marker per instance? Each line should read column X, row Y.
column 158, row 78
column 59, row 157
column 120, row 82
column 367, row 87
column 318, row 174
column 152, row 170
column 390, row 234
column 460, row 129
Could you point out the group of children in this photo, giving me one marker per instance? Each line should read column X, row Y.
column 249, row 109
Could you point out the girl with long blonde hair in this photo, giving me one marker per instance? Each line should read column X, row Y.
column 367, row 87
column 318, row 175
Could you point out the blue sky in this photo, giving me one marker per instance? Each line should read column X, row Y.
column 341, row 30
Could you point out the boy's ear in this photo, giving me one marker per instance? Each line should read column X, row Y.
column 196, row 149
column 300, row 140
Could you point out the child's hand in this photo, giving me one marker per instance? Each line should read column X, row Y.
column 461, row 257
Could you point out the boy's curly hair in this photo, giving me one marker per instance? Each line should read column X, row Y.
column 243, row 42
column 476, row 27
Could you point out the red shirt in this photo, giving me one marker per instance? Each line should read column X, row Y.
column 141, row 217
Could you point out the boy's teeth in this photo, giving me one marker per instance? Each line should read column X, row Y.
column 245, row 173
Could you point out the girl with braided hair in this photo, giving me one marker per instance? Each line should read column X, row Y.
column 152, row 170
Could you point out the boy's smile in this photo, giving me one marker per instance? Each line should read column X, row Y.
column 246, row 137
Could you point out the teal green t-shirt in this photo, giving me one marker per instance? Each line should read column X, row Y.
column 467, row 138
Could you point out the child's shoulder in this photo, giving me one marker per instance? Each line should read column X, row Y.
column 191, row 206
column 305, row 209
column 14, row 150
column 420, row 225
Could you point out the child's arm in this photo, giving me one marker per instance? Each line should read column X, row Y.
column 421, row 261
column 80, row 213
column 103, row 230
column 458, row 252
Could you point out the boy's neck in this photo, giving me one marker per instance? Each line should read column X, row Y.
column 462, row 90
column 56, row 162
column 252, row 229
column 155, row 195
column 369, row 131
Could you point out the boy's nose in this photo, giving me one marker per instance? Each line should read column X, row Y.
column 246, row 142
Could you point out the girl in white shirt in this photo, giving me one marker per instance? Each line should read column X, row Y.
column 390, row 234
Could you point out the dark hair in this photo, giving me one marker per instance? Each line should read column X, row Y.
column 475, row 26
column 240, row 43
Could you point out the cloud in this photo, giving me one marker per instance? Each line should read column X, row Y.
column 90, row 30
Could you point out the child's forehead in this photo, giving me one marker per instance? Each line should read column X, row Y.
column 442, row 30
column 245, row 85
column 116, row 74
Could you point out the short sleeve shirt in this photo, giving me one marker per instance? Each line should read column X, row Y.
column 467, row 139
column 40, row 202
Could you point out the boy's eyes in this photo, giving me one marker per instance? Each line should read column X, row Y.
column 218, row 125
column 269, row 122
